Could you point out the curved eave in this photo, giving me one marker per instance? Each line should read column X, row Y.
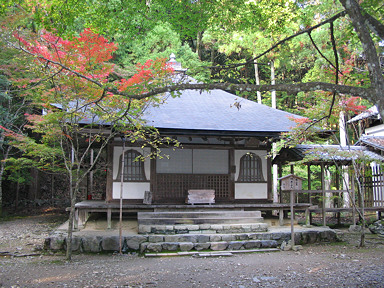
column 222, row 133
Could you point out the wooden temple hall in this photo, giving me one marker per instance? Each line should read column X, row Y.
column 222, row 163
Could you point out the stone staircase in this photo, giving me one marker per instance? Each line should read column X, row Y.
column 200, row 222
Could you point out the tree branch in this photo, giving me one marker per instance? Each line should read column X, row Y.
column 252, row 60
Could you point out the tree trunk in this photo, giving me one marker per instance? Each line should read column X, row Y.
column 72, row 195
column 198, row 44
column 273, row 82
column 257, row 79
column 375, row 74
column 2, row 169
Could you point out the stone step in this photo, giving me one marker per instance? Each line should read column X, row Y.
column 192, row 221
column 199, row 214
column 213, row 246
column 198, row 218
column 203, row 228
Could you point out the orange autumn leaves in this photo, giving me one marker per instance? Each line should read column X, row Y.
column 87, row 55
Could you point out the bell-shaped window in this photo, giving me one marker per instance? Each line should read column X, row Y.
column 250, row 169
column 133, row 167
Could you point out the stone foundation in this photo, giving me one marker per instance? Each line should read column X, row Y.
column 187, row 242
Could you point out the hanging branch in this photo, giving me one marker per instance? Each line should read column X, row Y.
column 336, row 66
column 321, row 54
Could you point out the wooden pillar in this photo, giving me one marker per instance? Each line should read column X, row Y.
column 232, row 172
column 353, row 201
column 292, row 194
column 323, row 195
column 338, row 196
column 309, row 182
column 90, row 188
column 309, row 177
column 280, row 192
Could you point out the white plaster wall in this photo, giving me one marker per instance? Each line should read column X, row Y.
column 131, row 190
column 251, row 191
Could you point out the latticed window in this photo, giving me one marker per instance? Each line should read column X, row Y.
column 133, row 167
column 250, row 168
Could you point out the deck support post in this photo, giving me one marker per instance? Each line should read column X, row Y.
column 307, row 217
column 281, row 217
column 109, row 218
column 323, row 195
column 76, row 220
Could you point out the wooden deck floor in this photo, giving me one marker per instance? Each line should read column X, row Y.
column 84, row 208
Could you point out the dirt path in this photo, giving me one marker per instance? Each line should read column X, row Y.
column 333, row 265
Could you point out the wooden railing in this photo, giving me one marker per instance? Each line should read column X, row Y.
column 173, row 188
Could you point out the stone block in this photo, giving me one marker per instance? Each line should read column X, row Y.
column 133, row 242
column 57, row 242
column 187, row 238
column 208, row 231
column 170, row 246
column 169, row 228
column 76, row 244
column 186, row 246
column 143, row 247
column 217, row 227
column 252, row 244
column 276, row 236
column 180, row 227
column 171, row 238
column 311, row 237
column 205, row 226
column 154, row 247
column 144, row 229
column 227, row 227
column 262, row 227
column 197, row 232
column 218, row 246
column 228, row 237
column 253, row 236
column 160, row 227
column 297, row 247
column 110, row 243
column 193, row 227
column 92, row 244
column 155, row 238
column 235, row 245
column 202, row 246
column 203, row 238
column 268, row 244
column 241, row 237
column 215, row 238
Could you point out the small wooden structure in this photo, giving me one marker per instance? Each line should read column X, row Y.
column 291, row 182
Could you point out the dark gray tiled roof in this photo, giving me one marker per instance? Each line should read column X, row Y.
column 372, row 112
column 215, row 111
column 376, row 142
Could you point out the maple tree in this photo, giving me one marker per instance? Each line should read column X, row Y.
column 81, row 112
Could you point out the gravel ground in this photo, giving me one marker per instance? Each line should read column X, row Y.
column 321, row 265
